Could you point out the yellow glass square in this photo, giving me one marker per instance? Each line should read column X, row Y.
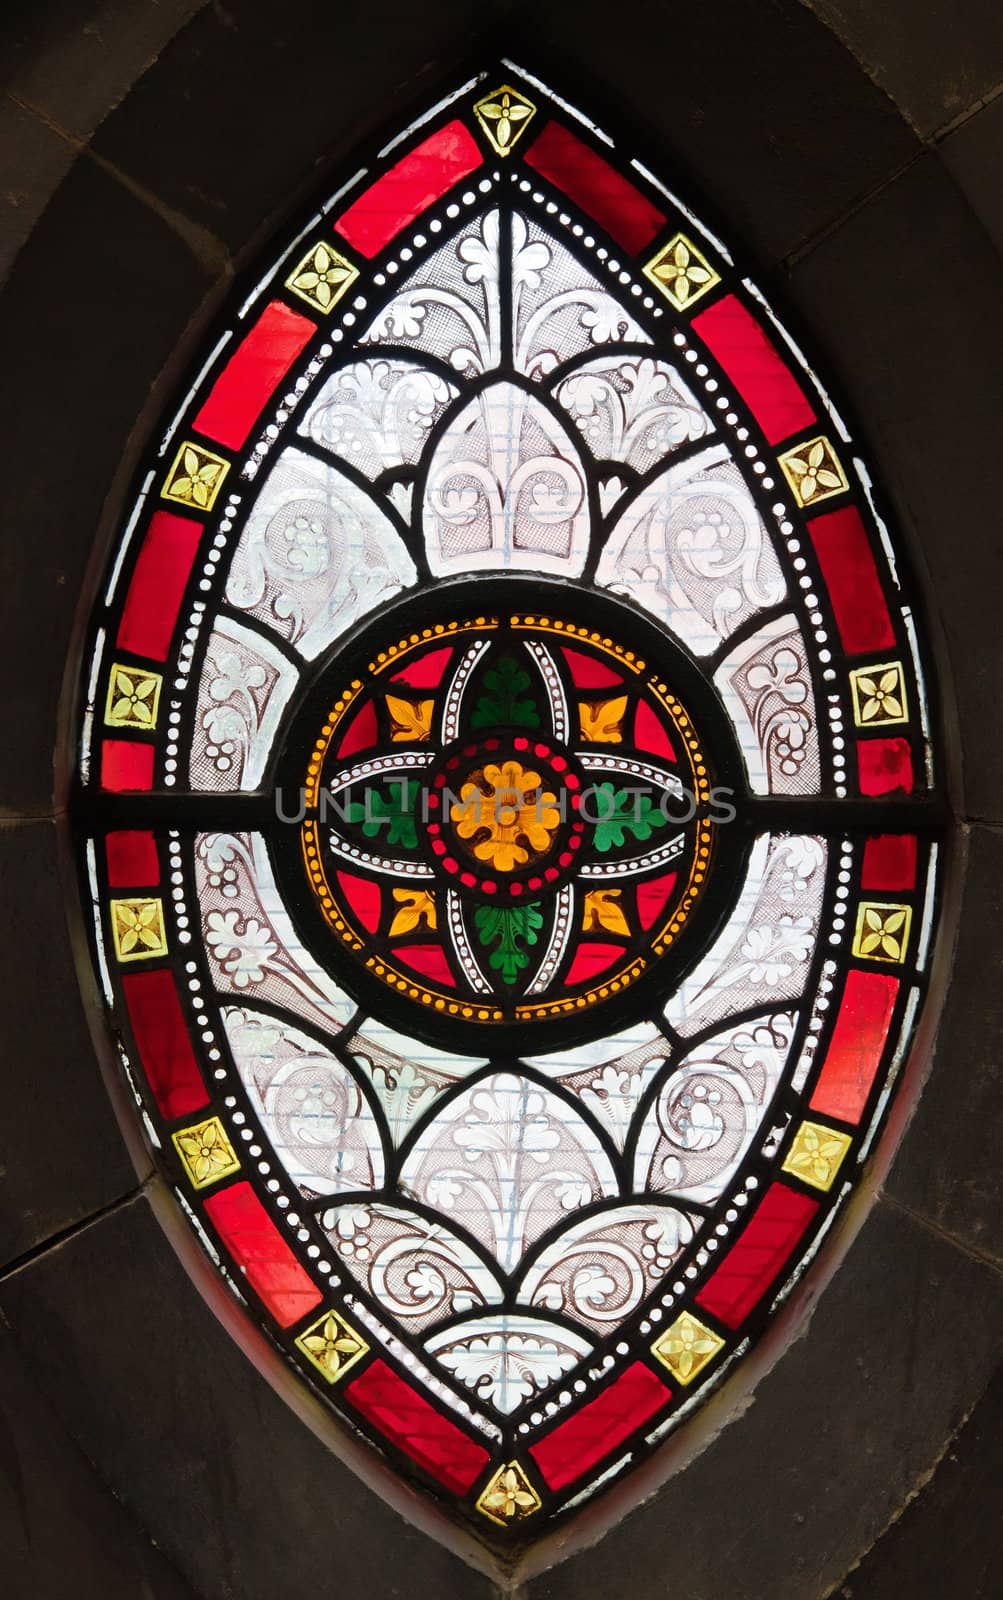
column 813, row 471
column 681, row 272
column 508, row 1496
column 332, row 1346
column 206, row 1153
column 882, row 931
column 686, row 1347
column 879, row 695
column 817, row 1154
column 196, row 477
column 133, row 697
column 137, row 929
column 322, row 277
column 504, row 115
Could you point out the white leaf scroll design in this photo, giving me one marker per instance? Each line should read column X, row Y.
column 559, row 310
column 506, row 489
column 450, row 306
column 764, row 952
column 632, row 409
column 407, row 1076
column 599, row 1270
column 707, row 1113
column 416, row 1270
column 692, row 549
column 313, row 1112
column 506, row 1160
column 252, row 947
column 244, row 689
column 377, row 414
column 611, row 1074
column 507, row 1360
column 766, row 686
column 317, row 553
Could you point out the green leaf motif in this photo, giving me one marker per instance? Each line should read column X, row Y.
column 621, row 812
column 512, row 928
column 389, row 811
column 504, row 705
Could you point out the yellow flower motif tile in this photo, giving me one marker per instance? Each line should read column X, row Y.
column 322, row 277
column 602, row 720
column 504, row 115
column 133, row 697
column 332, row 1345
column 817, row 1154
column 196, row 477
column 681, row 272
column 879, row 696
column 509, row 1496
column 602, row 910
column 416, row 906
column 813, row 471
column 137, row 929
column 882, row 931
column 410, row 720
column 206, row 1153
column 686, row 1347
column 517, row 817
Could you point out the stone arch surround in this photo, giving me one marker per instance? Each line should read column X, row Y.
column 159, row 146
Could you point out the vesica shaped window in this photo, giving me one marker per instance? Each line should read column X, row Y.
column 507, row 808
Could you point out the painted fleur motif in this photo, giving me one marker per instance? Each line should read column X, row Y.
column 138, row 929
column 206, row 1153
column 504, row 115
column 817, row 1154
column 686, row 1347
column 410, row 720
column 602, row 910
column 879, row 694
column 813, row 471
column 682, row 272
column 882, row 932
column 196, row 477
column 133, row 698
column 509, row 1496
column 417, row 906
column 332, row 1345
column 521, row 818
column 602, row 720
column 322, row 277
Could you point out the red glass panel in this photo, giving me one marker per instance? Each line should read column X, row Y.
column 591, row 960
column 589, row 674
column 415, row 1427
column 889, row 862
column 132, row 859
column 163, row 1042
column 884, row 765
column 429, row 960
column 771, row 392
column 158, row 584
column 363, row 895
column 361, row 733
column 262, row 1254
column 595, row 1430
column 758, row 1256
column 601, row 192
column 426, row 673
column 126, row 764
column 848, row 567
column 650, row 733
column 254, row 370
column 858, row 1039
column 652, row 895
column 403, row 193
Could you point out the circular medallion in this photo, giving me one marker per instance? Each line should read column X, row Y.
column 508, row 814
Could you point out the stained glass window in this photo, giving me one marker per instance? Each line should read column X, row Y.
column 507, row 806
